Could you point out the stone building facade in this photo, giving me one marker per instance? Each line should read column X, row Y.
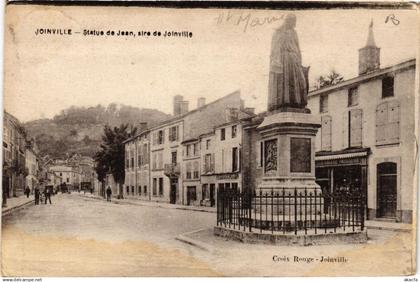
column 137, row 166
column 14, row 147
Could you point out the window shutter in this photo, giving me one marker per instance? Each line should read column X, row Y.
column 345, row 130
column 381, row 121
column 356, row 120
column 326, row 133
column 393, row 126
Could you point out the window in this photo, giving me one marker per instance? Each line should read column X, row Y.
column 323, row 103
column 173, row 133
column 353, row 96
column 128, row 189
column 160, row 186
column 188, row 176
column 222, row 134
column 154, row 186
column 188, row 150
column 132, row 162
column 208, row 164
column 173, row 157
column 387, row 86
column 326, row 123
column 388, row 123
column 68, row 180
column 145, row 189
column 160, row 157
column 161, row 137
column 196, row 170
column 139, row 190
column 235, row 157
column 207, row 144
column 235, row 187
column 139, row 160
column 61, row 174
column 154, row 161
column 195, row 146
column 132, row 190
column 234, row 129
column 145, row 154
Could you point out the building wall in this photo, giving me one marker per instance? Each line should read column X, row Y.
column 402, row 153
column 191, row 171
column 161, row 155
column 137, row 172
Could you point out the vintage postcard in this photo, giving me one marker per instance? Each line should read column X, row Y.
column 209, row 141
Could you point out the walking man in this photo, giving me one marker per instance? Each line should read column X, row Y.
column 108, row 194
column 36, row 192
column 27, row 191
column 47, row 193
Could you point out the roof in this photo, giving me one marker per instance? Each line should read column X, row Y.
column 371, row 39
column 135, row 136
column 365, row 77
column 180, row 117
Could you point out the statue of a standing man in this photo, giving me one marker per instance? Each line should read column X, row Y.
column 288, row 86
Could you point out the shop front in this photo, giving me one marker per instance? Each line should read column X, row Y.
column 342, row 171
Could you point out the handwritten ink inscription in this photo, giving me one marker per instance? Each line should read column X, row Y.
column 245, row 20
column 392, row 18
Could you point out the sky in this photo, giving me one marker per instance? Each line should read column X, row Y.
column 45, row 74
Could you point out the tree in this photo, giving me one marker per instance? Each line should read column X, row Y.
column 111, row 156
column 331, row 79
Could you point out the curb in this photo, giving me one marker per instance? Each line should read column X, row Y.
column 175, row 207
column 22, row 206
column 399, row 229
column 185, row 239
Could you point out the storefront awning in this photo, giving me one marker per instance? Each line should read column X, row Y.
column 341, row 156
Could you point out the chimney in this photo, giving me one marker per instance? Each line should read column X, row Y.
column 201, row 102
column 369, row 55
column 142, row 127
column 177, row 104
column 250, row 111
column 183, row 107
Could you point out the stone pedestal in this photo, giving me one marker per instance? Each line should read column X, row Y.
column 289, row 163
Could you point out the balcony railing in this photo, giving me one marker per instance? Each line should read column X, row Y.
column 172, row 170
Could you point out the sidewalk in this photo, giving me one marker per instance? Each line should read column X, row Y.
column 141, row 202
column 384, row 225
column 16, row 203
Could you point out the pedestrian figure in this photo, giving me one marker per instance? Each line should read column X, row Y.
column 108, row 194
column 36, row 195
column 47, row 194
column 27, row 191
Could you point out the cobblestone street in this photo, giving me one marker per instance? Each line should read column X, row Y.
column 73, row 237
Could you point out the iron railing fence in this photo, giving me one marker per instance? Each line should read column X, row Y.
column 291, row 210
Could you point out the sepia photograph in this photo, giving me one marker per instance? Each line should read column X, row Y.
column 153, row 141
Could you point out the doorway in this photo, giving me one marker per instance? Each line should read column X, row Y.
column 172, row 194
column 212, row 201
column 387, row 190
column 191, row 195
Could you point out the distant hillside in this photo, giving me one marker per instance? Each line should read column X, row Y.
column 79, row 129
